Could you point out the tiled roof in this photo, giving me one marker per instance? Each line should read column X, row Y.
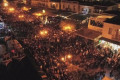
column 88, row 33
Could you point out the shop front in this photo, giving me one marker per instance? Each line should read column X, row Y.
column 113, row 45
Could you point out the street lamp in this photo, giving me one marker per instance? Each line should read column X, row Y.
column 21, row 16
column 11, row 9
column 66, row 57
column 44, row 33
column 38, row 14
column 69, row 56
column 5, row 4
column 67, row 28
column 43, row 11
column 26, row 8
column 63, row 59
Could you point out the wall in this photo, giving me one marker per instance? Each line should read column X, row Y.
column 112, row 36
column 70, row 6
column 96, row 28
column 54, row 5
column 35, row 2
column 90, row 8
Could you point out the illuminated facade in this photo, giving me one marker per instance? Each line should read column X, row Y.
column 76, row 6
column 70, row 6
column 110, row 31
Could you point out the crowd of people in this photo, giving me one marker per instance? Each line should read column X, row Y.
column 93, row 62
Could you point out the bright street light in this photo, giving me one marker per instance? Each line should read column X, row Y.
column 5, row 4
column 21, row 16
column 43, row 32
column 66, row 57
column 63, row 59
column 25, row 8
column 67, row 28
column 37, row 14
column 69, row 56
column 11, row 9
column 43, row 11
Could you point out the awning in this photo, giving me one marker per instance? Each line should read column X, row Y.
column 88, row 33
column 111, row 41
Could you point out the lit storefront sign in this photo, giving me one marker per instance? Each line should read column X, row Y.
column 110, row 45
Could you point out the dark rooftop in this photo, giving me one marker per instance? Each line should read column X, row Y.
column 79, row 16
column 92, row 34
column 115, row 12
column 100, row 3
column 97, row 3
column 114, row 20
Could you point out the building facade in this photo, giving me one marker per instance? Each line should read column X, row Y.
column 75, row 6
column 70, row 6
column 110, row 36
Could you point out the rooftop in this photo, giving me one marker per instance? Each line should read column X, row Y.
column 102, row 17
column 79, row 16
column 100, row 3
column 92, row 34
column 114, row 20
column 115, row 12
column 97, row 3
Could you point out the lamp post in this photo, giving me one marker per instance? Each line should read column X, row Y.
column 66, row 57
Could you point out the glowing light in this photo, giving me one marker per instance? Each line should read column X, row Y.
column 43, row 11
column 11, row 9
column 5, row 4
column 13, row 51
column 43, row 32
column 63, row 59
column 69, row 56
column 21, row 16
column 38, row 14
column 25, row 8
column 67, row 28
column 53, row 3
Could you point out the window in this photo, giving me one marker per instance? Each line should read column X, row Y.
column 110, row 31
column 96, row 23
column 63, row 6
